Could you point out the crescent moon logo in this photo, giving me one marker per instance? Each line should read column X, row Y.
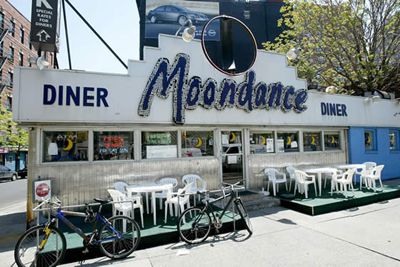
column 233, row 137
column 69, row 145
column 199, row 142
column 312, row 140
column 332, row 140
column 263, row 140
column 289, row 141
column 369, row 140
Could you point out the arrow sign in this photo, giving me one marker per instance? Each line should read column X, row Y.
column 43, row 36
column 44, row 2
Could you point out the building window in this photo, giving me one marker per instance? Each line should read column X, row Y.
column 332, row 140
column 197, row 144
column 10, row 78
column 11, row 54
column 2, row 21
column 22, row 35
column 20, row 59
column 312, row 141
column 370, row 140
column 261, row 143
column 12, row 28
column 65, row 146
column 159, row 145
column 394, row 140
column 287, row 142
column 113, row 145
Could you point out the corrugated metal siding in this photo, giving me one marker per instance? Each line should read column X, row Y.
column 258, row 162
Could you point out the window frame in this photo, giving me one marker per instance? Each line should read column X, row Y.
column 267, row 131
column 321, row 145
column 92, row 152
column 397, row 139
column 374, row 146
column 178, row 143
column 180, row 132
column 299, row 137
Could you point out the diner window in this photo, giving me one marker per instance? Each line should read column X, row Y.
column 370, row 140
column 394, row 140
column 332, row 140
column 159, row 145
column 312, row 141
column 287, row 142
column 197, row 144
column 112, row 145
column 261, row 143
column 65, row 146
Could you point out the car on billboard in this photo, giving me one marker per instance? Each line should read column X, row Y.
column 175, row 14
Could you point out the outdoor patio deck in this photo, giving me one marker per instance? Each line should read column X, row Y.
column 328, row 203
column 151, row 235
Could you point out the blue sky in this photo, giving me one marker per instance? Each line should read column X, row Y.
column 118, row 24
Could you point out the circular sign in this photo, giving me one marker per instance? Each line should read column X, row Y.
column 229, row 45
column 42, row 190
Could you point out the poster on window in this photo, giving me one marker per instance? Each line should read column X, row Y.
column 280, row 145
column 172, row 17
column 154, row 152
column 270, row 145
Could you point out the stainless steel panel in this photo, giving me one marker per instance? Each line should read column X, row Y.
column 280, row 160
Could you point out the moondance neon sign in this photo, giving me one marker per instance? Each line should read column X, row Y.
column 188, row 94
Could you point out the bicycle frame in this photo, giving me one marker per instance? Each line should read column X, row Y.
column 232, row 197
column 60, row 214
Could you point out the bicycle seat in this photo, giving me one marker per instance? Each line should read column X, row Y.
column 101, row 201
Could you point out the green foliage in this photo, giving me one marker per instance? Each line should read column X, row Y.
column 10, row 134
column 351, row 44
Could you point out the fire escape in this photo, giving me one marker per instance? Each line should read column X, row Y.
column 3, row 58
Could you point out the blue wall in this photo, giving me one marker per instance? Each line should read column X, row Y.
column 382, row 154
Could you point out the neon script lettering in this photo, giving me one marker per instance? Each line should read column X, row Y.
column 188, row 94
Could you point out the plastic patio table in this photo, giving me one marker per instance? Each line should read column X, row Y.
column 319, row 171
column 149, row 188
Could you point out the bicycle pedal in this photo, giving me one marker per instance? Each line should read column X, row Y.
column 85, row 251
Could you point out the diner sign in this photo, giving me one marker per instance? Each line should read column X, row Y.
column 189, row 93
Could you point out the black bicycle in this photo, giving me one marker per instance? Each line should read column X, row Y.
column 45, row 245
column 194, row 224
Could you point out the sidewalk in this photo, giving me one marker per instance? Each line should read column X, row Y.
column 368, row 236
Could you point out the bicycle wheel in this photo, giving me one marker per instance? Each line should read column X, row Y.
column 194, row 225
column 33, row 249
column 244, row 215
column 119, row 237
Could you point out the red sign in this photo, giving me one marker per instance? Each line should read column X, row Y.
column 113, row 141
column 42, row 190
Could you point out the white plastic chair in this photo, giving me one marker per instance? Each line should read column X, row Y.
column 198, row 184
column 345, row 179
column 181, row 198
column 163, row 194
column 369, row 166
column 375, row 175
column 121, row 187
column 125, row 207
column 276, row 178
column 303, row 180
column 292, row 176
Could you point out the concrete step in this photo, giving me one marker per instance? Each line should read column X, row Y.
column 254, row 200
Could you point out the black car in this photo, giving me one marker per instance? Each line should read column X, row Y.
column 6, row 173
column 23, row 173
column 175, row 14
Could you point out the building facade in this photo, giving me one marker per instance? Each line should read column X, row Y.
column 15, row 50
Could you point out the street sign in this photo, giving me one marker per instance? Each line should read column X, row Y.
column 42, row 190
column 45, row 25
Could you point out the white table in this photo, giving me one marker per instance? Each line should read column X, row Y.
column 351, row 166
column 319, row 171
column 149, row 188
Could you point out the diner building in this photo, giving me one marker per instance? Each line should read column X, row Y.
column 173, row 113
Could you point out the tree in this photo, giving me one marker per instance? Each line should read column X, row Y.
column 351, row 44
column 10, row 134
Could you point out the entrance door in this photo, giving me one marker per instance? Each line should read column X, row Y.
column 232, row 156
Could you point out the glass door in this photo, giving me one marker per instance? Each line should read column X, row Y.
column 232, row 156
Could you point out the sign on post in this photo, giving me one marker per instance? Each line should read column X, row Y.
column 45, row 25
column 42, row 190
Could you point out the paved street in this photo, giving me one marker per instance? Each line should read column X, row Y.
column 368, row 236
column 12, row 193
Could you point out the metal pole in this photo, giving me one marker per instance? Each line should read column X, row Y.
column 66, row 34
column 94, row 31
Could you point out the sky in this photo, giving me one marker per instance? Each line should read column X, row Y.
column 116, row 21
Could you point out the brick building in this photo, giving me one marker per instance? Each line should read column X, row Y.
column 15, row 50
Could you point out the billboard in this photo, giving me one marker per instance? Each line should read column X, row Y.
column 172, row 16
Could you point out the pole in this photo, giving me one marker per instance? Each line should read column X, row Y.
column 66, row 35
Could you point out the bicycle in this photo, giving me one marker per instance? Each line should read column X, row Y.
column 194, row 224
column 45, row 245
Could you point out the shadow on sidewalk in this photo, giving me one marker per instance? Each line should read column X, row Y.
column 12, row 227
